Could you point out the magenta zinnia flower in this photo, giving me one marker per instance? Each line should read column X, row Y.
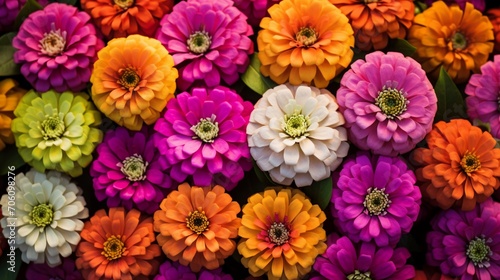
column 56, row 48
column 478, row 4
column 127, row 172
column 375, row 198
column 483, row 92
column 387, row 102
column 9, row 9
column 67, row 271
column 466, row 244
column 345, row 260
column 202, row 135
column 175, row 271
column 208, row 40
column 255, row 10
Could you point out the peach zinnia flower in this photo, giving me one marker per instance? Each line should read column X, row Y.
column 281, row 234
column 10, row 94
column 196, row 226
column 461, row 165
column 375, row 21
column 117, row 246
column 460, row 41
column 132, row 80
column 297, row 47
column 120, row 18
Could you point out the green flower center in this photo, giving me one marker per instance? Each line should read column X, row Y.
column 278, row 234
column 52, row 127
column 306, row 36
column 391, row 101
column 368, row 2
column 358, row 275
column 199, row 42
column 124, row 4
column 478, row 251
column 134, row 167
column 470, row 163
column 296, row 125
column 128, row 78
column 197, row 221
column 458, row 41
column 376, row 202
column 41, row 215
column 113, row 248
column 53, row 43
column 206, row 130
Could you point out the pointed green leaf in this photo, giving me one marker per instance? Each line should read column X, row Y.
column 402, row 46
column 28, row 8
column 320, row 192
column 262, row 176
column 10, row 265
column 7, row 65
column 450, row 100
column 254, row 79
column 69, row 2
column 10, row 157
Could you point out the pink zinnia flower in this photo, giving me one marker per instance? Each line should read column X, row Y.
column 255, row 10
column 9, row 9
column 176, row 271
column 202, row 135
column 478, row 4
column 375, row 199
column 483, row 92
column 208, row 41
column 127, row 173
column 387, row 102
column 56, row 48
column 41, row 271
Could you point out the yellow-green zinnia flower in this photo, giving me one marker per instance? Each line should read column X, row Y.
column 57, row 130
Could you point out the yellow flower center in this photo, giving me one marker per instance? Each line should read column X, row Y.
column 113, row 248
column 278, row 234
column 358, row 275
column 296, row 125
column 376, row 202
column 470, row 163
column 199, row 42
column 306, row 36
column 391, row 101
column 41, row 215
column 458, row 41
column 207, row 129
column 52, row 127
column 134, row 167
column 128, row 78
column 124, row 4
column 53, row 43
column 197, row 221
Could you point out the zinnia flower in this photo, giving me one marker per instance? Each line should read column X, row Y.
column 10, row 95
column 57, row 130
column 347, row 260
column 483, row 92
column 66, row 270
column 48, row 209
column 376, row 21
column 202, row 136
column 175, row 271
column 208, row 40
column 197, row 226
column 255, row 10
column 388, row 103
column 494, row 16
column 375, row 198
column 56, row 48
column 461, row 165
column 9, row 9
column 459, row 40
column 296, row 133
column 126, row 171
column 297, row 45
column 281, row 234
column 120, row 18
column 132, row 80
column 478, row 4
column 466, row 245
column 118, row 246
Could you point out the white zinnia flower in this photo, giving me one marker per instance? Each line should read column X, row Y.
column 295, row 133
column 49, row 209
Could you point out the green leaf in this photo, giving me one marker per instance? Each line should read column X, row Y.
column 402, row 46
column 450, row 102
column 320, row 192
column 10, row 157
column 28, row 8
column 7, row 65
column 262, row 176
column 9, row 270
column 254, row 79
column 69, row 2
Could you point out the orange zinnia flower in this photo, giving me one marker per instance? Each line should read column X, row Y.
column 304, row 41
column 117, row 246
column 375, row 21
column 10, row 94
column 494, row 16
column 281, row 234
column 196, row 226
column 460, row 41
column 461, row 165
column 120, row 18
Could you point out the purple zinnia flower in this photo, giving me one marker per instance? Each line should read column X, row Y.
column 255, row 10
column 483, row 92
column 478, row 4
column 208, row 41
column 67, row 271
column 202, row 135
column 9, row 9
column 56, row 48
column 375, row 198
column 127, row 172
column 387, row 102
column 345, row 260
column 175, row 271
column 466, row 244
